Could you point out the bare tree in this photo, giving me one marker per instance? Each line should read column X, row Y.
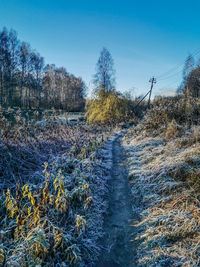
column 105, row 73
column 4, row 65
column 193, row 83
column 26, row 82
column 14, row 58
column 187, row 69
column 38, row 66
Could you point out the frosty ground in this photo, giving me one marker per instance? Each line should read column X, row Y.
column 99, row 198
column 164, row 177
column 153, row 213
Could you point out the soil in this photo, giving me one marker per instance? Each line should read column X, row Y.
column 119, row 247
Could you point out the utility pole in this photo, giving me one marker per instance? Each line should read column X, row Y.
column 152, row 81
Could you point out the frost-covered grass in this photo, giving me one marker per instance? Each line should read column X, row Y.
column 25, row 146
column 164, row 173
column 53, row 214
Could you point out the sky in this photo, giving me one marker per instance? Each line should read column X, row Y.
column 145, row 37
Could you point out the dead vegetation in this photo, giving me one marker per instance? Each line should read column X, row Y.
column 53, row 181
column 164, row 171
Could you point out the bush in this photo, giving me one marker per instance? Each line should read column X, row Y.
column 108, row 108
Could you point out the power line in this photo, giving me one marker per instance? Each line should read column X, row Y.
column 165, row 76
column 171, row 76
column 161, row 90
column 176, row 67
column 169, row 71
column 174, row 82
column 179, row 65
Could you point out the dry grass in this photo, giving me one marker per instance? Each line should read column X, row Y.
column 165, row 175
column 55, row 214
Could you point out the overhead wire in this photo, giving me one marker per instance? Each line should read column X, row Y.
column 168, row 73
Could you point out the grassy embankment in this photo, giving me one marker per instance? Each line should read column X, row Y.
column 164, row 171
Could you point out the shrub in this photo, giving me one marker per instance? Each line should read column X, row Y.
column 107, row 108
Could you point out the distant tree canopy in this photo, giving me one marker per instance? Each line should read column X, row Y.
column 191, row 78
column 26, row 82
column 63, row 90
column 105, row 73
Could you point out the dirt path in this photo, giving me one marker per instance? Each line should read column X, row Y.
column 118, row 248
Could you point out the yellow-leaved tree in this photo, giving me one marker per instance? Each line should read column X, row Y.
column 107, row 108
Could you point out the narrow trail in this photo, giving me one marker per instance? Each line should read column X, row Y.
column 119, row 230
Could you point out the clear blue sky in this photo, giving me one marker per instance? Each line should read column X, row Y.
column 145, row 38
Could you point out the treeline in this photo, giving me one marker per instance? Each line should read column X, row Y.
column 26, row 82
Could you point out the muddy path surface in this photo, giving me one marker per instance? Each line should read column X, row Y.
column 118, row 244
